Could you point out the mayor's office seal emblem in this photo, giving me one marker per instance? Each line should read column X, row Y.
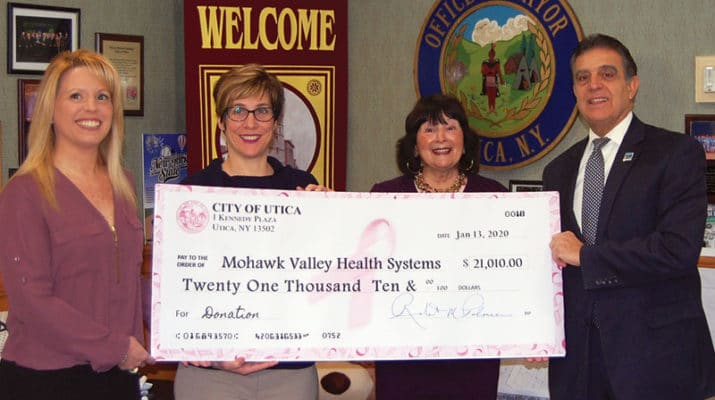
column 508, row 63
column 192, row 216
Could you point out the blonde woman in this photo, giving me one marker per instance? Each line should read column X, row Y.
column 71, row 244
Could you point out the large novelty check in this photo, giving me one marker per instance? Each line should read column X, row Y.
column 324, row 276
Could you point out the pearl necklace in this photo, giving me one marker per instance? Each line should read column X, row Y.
column 425, row 187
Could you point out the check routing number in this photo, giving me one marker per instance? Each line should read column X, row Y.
column 293, row 275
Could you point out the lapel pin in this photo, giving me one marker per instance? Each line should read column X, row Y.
column 628, row 156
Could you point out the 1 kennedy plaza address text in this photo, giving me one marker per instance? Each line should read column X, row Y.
column 254, row 217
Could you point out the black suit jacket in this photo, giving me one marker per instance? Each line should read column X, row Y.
column 640, row 278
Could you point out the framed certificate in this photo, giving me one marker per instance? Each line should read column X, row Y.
column 126, row 53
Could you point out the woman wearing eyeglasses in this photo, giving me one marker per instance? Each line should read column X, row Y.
column 249, row 102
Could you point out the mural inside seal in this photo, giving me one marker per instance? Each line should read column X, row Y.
column 499, row 63
column 508, row 63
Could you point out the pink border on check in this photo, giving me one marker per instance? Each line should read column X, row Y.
column 377, row 230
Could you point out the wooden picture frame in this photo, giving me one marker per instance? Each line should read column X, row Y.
column 26, row 95
column 525, row 186
column 1, row 166
column 126, row 53
column 35, row 34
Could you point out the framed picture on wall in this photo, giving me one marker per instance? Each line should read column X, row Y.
column 1, row 155
column 126, row 52
column 35, row 34
column 702, row 128
column 525, row 186
column 26, row 95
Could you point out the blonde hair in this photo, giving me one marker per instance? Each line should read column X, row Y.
column 41, row 138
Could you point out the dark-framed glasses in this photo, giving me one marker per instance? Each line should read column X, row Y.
column 239, row 113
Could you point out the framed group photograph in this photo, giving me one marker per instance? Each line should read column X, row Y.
column 126, row 53
column 525, row 186
column 35, row 34
column 26, row 95
column 702, row 128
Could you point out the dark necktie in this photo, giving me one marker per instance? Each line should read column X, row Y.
column 592, row 191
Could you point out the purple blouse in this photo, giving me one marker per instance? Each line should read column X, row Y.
column 73, row 283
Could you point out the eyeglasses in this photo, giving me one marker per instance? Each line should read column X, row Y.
column 238, row 113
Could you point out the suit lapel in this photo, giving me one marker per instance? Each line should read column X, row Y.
column 626, row 157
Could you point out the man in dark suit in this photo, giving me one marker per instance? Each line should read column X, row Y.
column 635, row 325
